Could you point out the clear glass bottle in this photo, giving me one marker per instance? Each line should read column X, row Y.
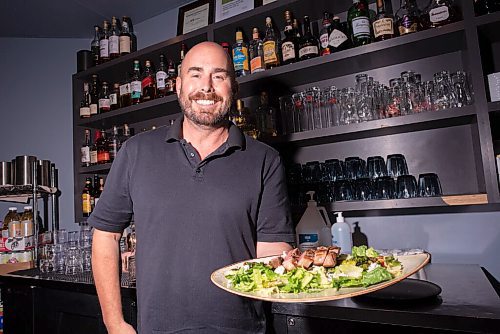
column 308, row 45
column 266, row 118
column 358, row 19
column 27, row 221
column 271, row 46
column 240, row 55
column 95, row 47
column 104, row 43
column 289, row 47
column 114, row 144
column 104, row 101
column 256, row 52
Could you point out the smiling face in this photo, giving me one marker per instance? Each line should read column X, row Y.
column 205, row 85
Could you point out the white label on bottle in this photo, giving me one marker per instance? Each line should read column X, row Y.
column 439, row 14
column 160, row 79
column 93, row 109
column 104, row 104
column 125, row 44
column 114, row 44
column 113, row 99
column 85, row 154
column 361, row 26
column 288, row 50
column 311, row 49
column 84, row 112
column 125, row 89
column 308, row 241
column 324, row 40
column 383, row 26
column 337, row 37
column 104, row 48
column 93, row 157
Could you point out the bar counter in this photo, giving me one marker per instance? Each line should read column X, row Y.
column 467, row 303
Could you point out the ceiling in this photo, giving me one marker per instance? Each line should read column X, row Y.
column 72, row 18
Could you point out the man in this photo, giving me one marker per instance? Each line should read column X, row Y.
column 203, row 196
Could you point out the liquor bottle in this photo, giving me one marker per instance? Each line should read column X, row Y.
column 439, row 13
column 127, row 133
column 289, row 47
column 99, row 187
column 148, row 83
column 133, row 37
column 324, row 34
column 94, row 96
column 271, row 46
column 227, row 48
column 245, row 120
column 408, row 18
column 114, row 39
column 308, row 45
column 104, row 102
column 95, row 46
column 338, row 39
column 95, row 192
column 240, row 55
column 297, row 31
column 87, row 197
column 182, row 55
column 266, row 118
column 102, row 149
column 85, row 103
column 171, row 78
column 85, row 150
column 125, row 39
column 93, row 148
column 136, row 83
column 359, row 23
column 104, row 42
column 114, row 144
column 482, row 7
column 383, row 26
column 161, row 76
column 256, row 52
column 114, row 97
column 125, row 92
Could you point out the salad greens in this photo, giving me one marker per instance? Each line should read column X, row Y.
column 362, row 268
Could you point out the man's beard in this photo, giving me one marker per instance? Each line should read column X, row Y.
column 200, row 117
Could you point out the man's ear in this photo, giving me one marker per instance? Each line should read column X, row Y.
column 178, row 84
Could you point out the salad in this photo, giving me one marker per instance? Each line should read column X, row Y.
column 362, row 268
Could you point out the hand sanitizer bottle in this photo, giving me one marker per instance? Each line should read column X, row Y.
column 341, row 234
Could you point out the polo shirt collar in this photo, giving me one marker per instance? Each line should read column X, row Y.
column 235, row 138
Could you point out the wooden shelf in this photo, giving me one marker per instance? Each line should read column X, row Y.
column 382, row 127
column 97, row 169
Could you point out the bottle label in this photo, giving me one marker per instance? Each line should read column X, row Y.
column 124, row 44
column 160, row 79
column 240, row 58
column 113, row 99
column 439, row 14
column 288, row 50
column 361, row 26
column 114, row 44
column 308, row 241
column 125, row 89
column 85, row 154
column 307, row 50
column 256, row 64
column 86, row 206
column 270, row 56
column 383, row 26
column 84, row 111
column 337, row 37
column 104, row 48
column 104, row 104
column 147, row 82
column 102, row 156
column 407, row 25
column 93, row 109
column 136, row 89
column 323, row 39
column 93, row 157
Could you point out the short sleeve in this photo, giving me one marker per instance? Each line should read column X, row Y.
column 274, row 222
column 114, row 209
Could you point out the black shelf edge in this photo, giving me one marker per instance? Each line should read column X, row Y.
column 140, row 112
column 382, row 127
column 487, row 19
column 350, row 60
column 133, row 55
column 95, row 169
column 494, row 106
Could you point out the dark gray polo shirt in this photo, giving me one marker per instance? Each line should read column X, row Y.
column 193, row 217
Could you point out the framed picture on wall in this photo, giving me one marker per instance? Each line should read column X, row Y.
column 227, row 8
column 194, row 16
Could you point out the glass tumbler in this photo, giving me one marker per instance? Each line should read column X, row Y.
column 342, row 190
column 355, row 168
column 396, row 165
column 429, row 185
column 406, row 186
column 384, row 188
column 376, row 167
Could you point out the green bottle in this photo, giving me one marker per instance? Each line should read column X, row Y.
column 359, row 23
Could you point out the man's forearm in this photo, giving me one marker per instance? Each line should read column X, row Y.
column 272, row 248
column 105, row 257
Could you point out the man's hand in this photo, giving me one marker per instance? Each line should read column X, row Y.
column 272, row 248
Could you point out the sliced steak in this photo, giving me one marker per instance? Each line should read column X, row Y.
column 306, row 259
column 320, row 255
